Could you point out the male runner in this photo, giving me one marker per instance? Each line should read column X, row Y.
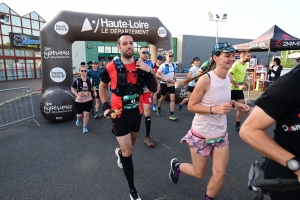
column 127, row 78
column 146, row 96
column 166, row 72
column 239, row 83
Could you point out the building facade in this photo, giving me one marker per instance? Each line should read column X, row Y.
column 20, row 55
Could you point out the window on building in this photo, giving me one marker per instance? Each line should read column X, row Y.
column 20, row 52
column 37, row 53
column 6, row 41
column 13, row 12
column 5, row 29
column 41, row 19
column 9, row 52
column 0, row 41
column 29, row 53
column 2, row 71
column 26, row 31
column 26, row 23
column 114, row 50
column 35, row 24
column 38, row 66
column 4, row 8
column 101, row 49
column 16, row 30
column 16, row 21
column 34, row 16
column 41, row 24
column 107, row 49
column 27, row 16
column 11, row 69
column 36, row 33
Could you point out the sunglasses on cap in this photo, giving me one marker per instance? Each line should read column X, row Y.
column 83, row 70
column 146, row 52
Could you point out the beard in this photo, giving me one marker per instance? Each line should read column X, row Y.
column 126, row 54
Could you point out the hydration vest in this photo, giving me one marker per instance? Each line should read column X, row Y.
column 166, row 71
column 80, row 84
column 128, row 91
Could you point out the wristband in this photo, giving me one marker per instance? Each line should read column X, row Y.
column 105, row 106
column 211, row 110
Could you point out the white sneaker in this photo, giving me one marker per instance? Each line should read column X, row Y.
column 119, row 158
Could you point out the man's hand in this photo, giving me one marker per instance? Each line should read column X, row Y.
column 106, row 112
column 298, row 174
column 242, row 87
column 143, row 66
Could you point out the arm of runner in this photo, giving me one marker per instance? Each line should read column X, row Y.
column 252, row 132
column 241, row 87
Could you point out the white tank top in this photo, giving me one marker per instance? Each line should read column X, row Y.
column 208, row 125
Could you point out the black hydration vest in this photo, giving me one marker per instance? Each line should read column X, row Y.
column 80, row 84
column 128, row 91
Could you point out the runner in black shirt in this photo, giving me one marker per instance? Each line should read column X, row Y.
column 280, row 104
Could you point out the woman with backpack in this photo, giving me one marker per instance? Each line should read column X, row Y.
column 83, row 88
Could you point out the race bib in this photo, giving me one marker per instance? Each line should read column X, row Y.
column 131, row 101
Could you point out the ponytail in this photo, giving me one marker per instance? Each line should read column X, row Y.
column 210, row 67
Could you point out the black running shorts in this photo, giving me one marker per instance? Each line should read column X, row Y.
column 164, row 89
column 237, row 95
column 125, row 125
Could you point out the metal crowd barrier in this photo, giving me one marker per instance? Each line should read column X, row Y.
column 15, row 106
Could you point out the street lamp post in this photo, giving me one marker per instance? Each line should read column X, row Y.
column 218, row 19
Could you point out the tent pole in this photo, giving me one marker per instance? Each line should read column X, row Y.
column 268, row 65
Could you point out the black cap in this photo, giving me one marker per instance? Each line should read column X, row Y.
column 196, row 58
column 159, row 57
column 90, row 62
column 82, row 63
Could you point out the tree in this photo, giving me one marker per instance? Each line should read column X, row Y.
column 287, row 62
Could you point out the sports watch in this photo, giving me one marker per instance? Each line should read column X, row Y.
column 293, row 164
column 151, row 71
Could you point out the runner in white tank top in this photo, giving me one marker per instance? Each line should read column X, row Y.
column 210, row 101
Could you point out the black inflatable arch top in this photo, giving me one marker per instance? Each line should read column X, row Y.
column 57, row 36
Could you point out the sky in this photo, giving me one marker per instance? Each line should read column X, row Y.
column 246, row 19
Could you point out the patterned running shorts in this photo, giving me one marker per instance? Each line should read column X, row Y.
column 200, row 146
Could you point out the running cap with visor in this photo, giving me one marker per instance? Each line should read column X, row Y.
column 222, row 47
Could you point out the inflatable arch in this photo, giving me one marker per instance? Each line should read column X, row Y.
column 57, row 36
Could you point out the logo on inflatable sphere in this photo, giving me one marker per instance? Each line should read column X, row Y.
column 58, row 74
column 61, row 28
column 162, row 32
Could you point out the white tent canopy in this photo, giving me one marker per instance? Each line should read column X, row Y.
column 294, row 55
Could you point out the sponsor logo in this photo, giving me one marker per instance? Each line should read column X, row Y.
column 115, row 26
column 278, row 43
column 50, row 108
column 58, row 74
column 291, row 44
column 162, row 52
column 296, row 127
column 21, row 40
column 183, row 94
column 286, row 36
column 61, row 28
column 89, row 46
column 48, row 53
column 162, row 32
column 257, row 45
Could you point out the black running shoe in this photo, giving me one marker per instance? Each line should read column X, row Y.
column 174, row 171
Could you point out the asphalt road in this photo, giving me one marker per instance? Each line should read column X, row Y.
column 58, row 161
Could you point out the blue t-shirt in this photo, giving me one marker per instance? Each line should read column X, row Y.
column 194, row 70
column 95, row 75
column 148, row 62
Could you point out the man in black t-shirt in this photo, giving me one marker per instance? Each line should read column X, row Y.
column 280, row 104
